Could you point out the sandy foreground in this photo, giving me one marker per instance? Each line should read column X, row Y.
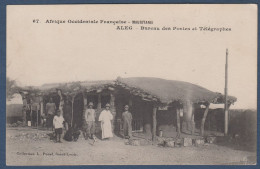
column 24, row 150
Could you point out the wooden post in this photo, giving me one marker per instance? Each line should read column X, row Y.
column 72, row 111
column 178, row 123
column 41, row 107
column 31, row 112
column 192, row 124
column 24, row 108
column 99, row 102
column 226, row 94
column 113, row 109
column 204, row 119
column 188, row 115
column 130, row 101
column 154, row 123
column 85, row 100
column 37, row 114
column 209, row 121
column 85, row 103
column 112, row 101
column 41, row 111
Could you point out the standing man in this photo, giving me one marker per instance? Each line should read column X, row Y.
column 67, row 113
column 28, row 113
column 61, row 102
column 127, row 123
column 90, row 116
column 105, row 119
column 24, row 110
column 50, row 108
column 35, row 112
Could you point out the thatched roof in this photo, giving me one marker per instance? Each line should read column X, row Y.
column 168, row 91
column 152, row 89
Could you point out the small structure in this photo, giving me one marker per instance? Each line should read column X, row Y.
column 146, row 97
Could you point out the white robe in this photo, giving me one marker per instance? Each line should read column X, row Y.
column 105, row 118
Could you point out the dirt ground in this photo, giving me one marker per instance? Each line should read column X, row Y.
column 26, row 146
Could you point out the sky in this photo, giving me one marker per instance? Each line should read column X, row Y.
column 41, row 53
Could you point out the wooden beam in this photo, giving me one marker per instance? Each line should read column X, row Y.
column 204, row 119
column 178, row 123
column 99, row 102
column 189, row 116
column 72, row 111
column 24, row 110
column 154, row 123
column 113, row 110
column 226, row 95
column 192, row 124
column 130, row 103
column 85, row 101
column 41, row 107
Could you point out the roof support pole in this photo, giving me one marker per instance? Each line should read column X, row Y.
column 204, row 119
column 113, row 109
column 72, row 111
column 24, row 108
column 31, row 113
column 188, row 123
column 130, row 101
column 99, row 102
column 192, row 123
column 41, row 108
column 178, row 123
column 85, row 101
column 154, row 123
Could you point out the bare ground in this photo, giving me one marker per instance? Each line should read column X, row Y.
column 26, row 146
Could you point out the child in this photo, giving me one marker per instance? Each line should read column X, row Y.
column 58, row 121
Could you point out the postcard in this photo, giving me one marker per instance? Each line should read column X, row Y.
column 131, row 84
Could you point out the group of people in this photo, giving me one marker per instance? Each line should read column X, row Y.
column 59, row 116
column 105, row 118
column 32, row 113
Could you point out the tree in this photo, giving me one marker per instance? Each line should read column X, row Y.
column 11, row 88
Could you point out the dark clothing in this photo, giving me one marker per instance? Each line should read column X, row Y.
column 127, row 123
column 76, row 134
column 57, row 100
column 58, row 131
column 67, row 113
column 72, row 134
column 34, row 118
column 127, row 129
column 28, row 115
column 68, row 135
column 49, row 120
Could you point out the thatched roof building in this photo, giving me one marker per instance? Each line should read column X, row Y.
column 145, row 94
column 167, row 91
column 149, row 88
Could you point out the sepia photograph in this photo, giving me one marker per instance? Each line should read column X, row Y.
column 131, row 84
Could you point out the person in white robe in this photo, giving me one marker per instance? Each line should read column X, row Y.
column 105, row 119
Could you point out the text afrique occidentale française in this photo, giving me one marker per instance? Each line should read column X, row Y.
column 147, row 25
